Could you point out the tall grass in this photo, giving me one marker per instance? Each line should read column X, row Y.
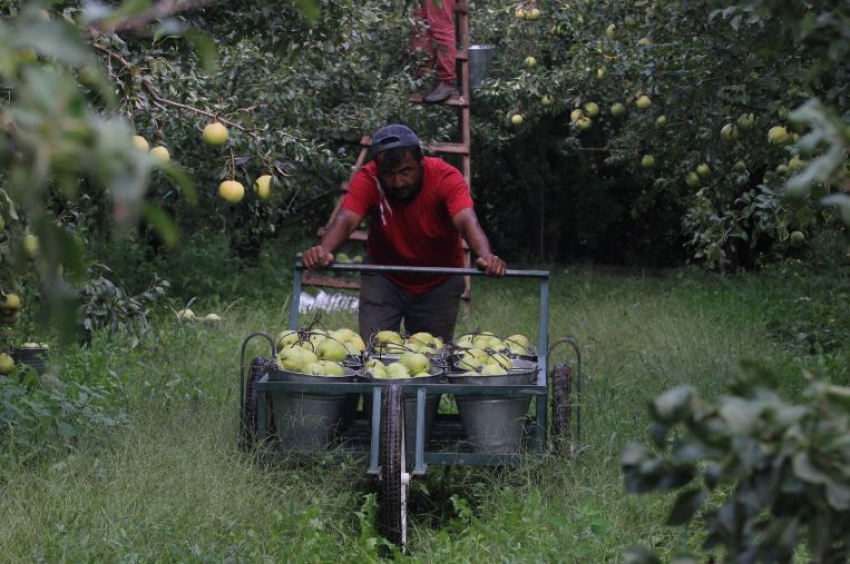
column 171, row 486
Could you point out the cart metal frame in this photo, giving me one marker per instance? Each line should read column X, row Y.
column 368, row 439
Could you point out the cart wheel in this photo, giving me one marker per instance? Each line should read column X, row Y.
column 248, row 420
column 562, row 384
column 395, row 480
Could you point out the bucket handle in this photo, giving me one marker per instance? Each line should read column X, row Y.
column 265, row 336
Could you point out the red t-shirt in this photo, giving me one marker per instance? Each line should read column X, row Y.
column 416, row 233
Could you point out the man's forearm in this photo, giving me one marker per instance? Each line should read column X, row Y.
column 475, row 237
column 338, row 232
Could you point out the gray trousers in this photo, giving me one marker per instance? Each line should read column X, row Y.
column 383, row 305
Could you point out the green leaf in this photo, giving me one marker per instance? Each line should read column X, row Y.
column 163, row 225
column 126, row 10
column 842, row 202
column 640, row 554
column 205, row 49
column 634, row 455
column 673, row 405
column 54, row 40
column 805, row 470
column 837, row 494
column 183, row 181
column 311, row 9
column 741, row 415
column 686, row 505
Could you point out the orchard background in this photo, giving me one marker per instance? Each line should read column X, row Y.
column 643, row 134
column 690, row 177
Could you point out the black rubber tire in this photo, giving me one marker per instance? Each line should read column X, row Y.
column 392, row 521
column 562, row 384
column 248, row 423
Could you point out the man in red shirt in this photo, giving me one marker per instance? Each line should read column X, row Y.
column 419, row 209
column 438, row 39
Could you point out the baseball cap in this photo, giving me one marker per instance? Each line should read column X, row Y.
column 392, row 136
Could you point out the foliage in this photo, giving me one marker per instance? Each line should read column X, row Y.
column 765, row 475
column 106, row 305
column 42, row 417
column 712, row 103
column 167, row 473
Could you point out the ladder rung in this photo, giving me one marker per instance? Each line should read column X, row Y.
column 310, row 279
column 459, row 101
column 452, row 148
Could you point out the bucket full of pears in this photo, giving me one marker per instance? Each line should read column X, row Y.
column 307, row 420
column 493, row 424
column 416, row 359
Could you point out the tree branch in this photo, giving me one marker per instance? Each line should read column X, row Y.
column 163, row 9
column 147, row 84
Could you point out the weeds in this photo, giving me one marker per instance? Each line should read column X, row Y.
column 151, row 471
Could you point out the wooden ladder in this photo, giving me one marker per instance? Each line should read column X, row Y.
column 459, row 148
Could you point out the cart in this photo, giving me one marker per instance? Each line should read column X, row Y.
column 375, row 432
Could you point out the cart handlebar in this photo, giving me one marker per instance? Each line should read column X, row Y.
column 348, row 267
column 541, row 275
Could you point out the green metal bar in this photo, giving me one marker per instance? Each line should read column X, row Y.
column 262, row 430
column 374, row 445
column 296, row 297
column 540, row 390
column 445, row 270
column 409, row 389
column 543, row 331
column 419, row 464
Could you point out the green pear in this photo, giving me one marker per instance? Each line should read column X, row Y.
column 374, row 363
column 378, row 372
column 493, row 370
column 392, row 348
column 415, row 362
column 296, row 358
column 397, row 370
column 343, row 334
column 325, row 368
column 354, row 345
column 500, row 360
column 421, row 338
column 386, row 336
column 331, row 349
column 471, row 359
column 317, row 336
column 518, row 339
column 287, row 338
column 464, row 341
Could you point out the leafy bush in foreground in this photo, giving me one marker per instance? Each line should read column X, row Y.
column 765, row 476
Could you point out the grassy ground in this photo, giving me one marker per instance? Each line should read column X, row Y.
column 166, row 483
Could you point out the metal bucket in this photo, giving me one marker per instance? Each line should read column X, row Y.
column 480, row 60
column 309, row 420
column 493, row 424
column 432, row 404
column 33, row 357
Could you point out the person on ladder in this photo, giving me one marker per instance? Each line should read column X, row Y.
column 419, row 208
column 438, row 39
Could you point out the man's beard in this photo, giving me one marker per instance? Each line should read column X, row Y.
column 404, row 195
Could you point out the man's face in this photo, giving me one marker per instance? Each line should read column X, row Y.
column 402, row 179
